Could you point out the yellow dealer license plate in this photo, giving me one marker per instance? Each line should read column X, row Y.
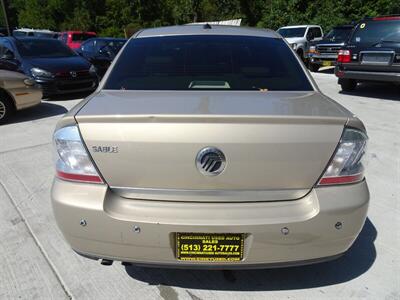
column 327, row 63
column 212, row 247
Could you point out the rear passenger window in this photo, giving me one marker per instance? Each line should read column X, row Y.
column 317, row 32
column 64, row 38
column 207, row 63
column 88, row 46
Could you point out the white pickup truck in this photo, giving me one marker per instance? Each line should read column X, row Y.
column 299, row 37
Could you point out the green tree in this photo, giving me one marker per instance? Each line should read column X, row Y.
column 111, row 17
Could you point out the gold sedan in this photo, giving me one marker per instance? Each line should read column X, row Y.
column 17, row 92
column 209, row 147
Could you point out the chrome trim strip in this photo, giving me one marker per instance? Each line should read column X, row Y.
column 209, row 195
column 383, row 74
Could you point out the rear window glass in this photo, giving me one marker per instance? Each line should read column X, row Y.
column 376, row 31
column 76, row 37
column 110, row 46
column 207, row 63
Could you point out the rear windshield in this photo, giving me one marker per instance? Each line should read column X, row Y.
column 43, row 48
column 292, row 32
column 338, row 34
column 207, row 63
column 78, row 37
column 18, row 33
column 376, row 31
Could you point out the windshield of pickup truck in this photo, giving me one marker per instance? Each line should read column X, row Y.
column 292, row 32
column 376, row 31
column 207, row 62
column 338, row 34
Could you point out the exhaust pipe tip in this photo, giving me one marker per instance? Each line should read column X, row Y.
column 106, row 262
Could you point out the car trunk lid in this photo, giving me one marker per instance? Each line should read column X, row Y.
column 276, row 144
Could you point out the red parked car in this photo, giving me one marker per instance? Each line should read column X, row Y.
column 74, row 39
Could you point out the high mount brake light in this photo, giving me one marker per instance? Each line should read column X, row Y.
column 73, row 161
column 346, row 164
column 344, row 56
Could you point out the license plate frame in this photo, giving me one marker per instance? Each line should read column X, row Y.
column 209, row 247
column 376, row 58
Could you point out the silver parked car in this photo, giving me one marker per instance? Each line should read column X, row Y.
column 199, row 150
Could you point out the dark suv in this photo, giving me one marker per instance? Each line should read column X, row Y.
column 371, row 54
column 324, row 53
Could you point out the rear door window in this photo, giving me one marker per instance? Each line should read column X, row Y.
column 64, row 38
column 79, row 37
column 317, row 32
column 372, row 32
column 207, row 63
column 88, row 46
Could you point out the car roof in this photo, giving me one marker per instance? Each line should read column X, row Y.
column 34, row 30
column 105, row 39
column 206, row 29
column 381, row 18
column 79, row 32
column 299, row 26
column 33, row 38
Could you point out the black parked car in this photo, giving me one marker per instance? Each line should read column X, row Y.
column 54, row 66
column 324, row 53
column 101, row 52
column 371, row 54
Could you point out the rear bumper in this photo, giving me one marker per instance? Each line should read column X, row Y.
column 367, row 75
column 110, row 220
column 319, row 59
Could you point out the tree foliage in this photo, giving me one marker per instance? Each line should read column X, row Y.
column 111, row 17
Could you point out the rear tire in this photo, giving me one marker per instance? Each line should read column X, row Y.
column 6, row 107
column 348, row 85
column 313, row 67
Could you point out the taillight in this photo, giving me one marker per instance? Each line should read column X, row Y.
column 344, row 56
column 73, row 162
column 346, row 165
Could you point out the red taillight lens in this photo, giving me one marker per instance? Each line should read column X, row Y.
column 344, row 56
column 73, row 161
column 346, row 165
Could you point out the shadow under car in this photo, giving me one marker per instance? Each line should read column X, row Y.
column 41, row 111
